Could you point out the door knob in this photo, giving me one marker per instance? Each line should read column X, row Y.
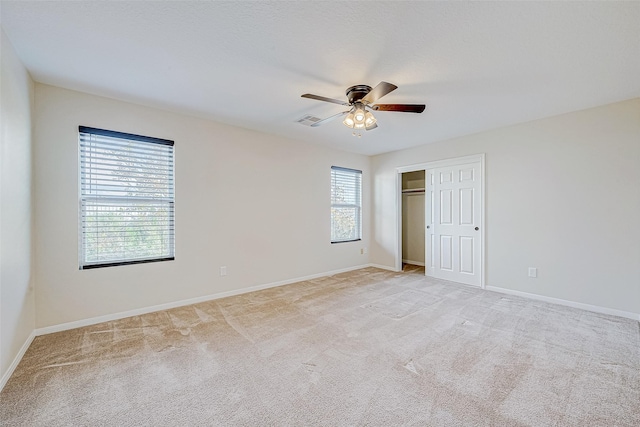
column 476, row 228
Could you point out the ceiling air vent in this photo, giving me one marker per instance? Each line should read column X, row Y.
column 308, row 120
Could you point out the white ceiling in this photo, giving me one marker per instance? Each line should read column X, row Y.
column 477, row 65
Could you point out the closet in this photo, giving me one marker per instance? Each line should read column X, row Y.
column 413, row 203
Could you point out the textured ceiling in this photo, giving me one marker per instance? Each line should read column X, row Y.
column 477, row 65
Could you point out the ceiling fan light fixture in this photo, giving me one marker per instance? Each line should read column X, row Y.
column 360, row 100
column 349, row 121
column 359, row 113
column 369, row 120
column 359, row 116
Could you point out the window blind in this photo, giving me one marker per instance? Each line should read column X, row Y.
column 346, row 204
column 126, row 198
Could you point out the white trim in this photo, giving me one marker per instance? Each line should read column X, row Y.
column 573, row 304
column 474, row 158
column 399, row 219
column 442, row 163
column 16, row 360
column 136, row 312
column 121, row 315
column 385, row 267
column 408, row 261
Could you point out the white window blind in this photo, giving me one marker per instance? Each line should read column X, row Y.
column 126, row 198
column 346, row 204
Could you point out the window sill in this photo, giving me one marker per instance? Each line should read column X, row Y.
column 116, row 264
column 347, row 241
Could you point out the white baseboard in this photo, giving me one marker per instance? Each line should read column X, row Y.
column 383, row 267
column 16, row 360
column 408, row 261
column 573, row 304
column 210, row 297
column 139, row 311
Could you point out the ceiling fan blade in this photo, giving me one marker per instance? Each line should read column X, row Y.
column 324, row 98
column 378, row 92
column 316, row 124
column 403, row 108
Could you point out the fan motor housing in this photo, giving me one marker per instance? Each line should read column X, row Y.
column 357, row 92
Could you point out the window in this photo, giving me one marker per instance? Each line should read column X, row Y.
column 346, row 204
column 126, row 199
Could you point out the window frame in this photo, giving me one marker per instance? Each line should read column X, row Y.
column 83, row 197
column 357, row 206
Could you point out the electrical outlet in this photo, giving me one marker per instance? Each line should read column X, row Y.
column 223, row 270
column 533, row 272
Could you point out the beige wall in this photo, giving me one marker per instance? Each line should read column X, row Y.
column 17, row 318
column 254, row 203
column 562, row 195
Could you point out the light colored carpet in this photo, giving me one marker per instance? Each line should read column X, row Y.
column 369, row 347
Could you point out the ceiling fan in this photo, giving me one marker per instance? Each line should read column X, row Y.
column 361, row 99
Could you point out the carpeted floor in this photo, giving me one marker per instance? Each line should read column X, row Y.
column 365, row 348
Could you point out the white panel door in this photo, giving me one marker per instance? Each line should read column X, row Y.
column 453, row 218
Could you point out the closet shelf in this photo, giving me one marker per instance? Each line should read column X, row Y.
column 412, row 190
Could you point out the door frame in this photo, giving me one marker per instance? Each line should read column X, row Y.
column 433, row 165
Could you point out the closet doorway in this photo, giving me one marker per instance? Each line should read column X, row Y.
column 413, row 219
column 441, row 219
